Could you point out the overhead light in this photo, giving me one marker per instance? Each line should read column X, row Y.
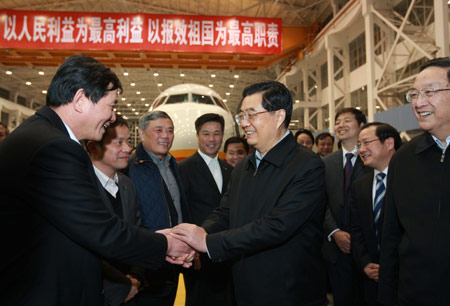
column 142, row 99
column 28, row 83
column 125, row 73
column 155, row 74
column 137, row 113
column 133, row 109
column 236, row 76
column 181, row 74
column 159, row 84
column 44, row 91
column 133, row 84
column 129, row 104
column 138, row 92
column 358, row 107
column 123, row 99
column 227, row 93
column 231, row 86
column 297, row 101
column 211, row 85
column 119, row 113
column 315, row 86
column 147, row 105
column 41, row 72
column 115, row 109
column 213, row 75
column 377, row 107
column 225, row 100
column 125, row 117
column 8, row 72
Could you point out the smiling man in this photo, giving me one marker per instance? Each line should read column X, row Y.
column 205, row 178
column 54, row 226
column 376, row 145
column 342, row 167
column 269, row 223
column 415, row 246
column 160, row 195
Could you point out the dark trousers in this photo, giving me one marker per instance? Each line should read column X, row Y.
column 157, row 296
column 346, row 282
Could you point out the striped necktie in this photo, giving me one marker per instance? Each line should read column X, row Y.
column 378, row 202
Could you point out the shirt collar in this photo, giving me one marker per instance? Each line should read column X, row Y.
column 104, row 179
column 385, row 171
column 158, row 160
column 260, row 156
column 440, row 144
column 354, row 152
column 206, row 158
column 71, row 134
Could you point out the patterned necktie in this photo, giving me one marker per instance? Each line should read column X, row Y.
column 378, row 202
column 347, row 176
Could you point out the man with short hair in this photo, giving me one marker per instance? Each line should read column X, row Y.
column 205, row 178
column 3, row 131
column 161, row 199
column 415, row 246
column 324, row 143
column 342, row 167
column 236, row 148
column 54, row 226
column 269, row 223
column 121, row 282
column 376, row 145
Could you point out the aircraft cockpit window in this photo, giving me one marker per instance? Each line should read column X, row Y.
column 219, row 102
column 177, row 99
column 158, row 102
column 204, row 99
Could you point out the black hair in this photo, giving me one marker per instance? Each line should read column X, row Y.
column 235, row 139
column 359, row 116
column 209, row 117
column 275, row 96
column 323, row 136
column 443, row 62
column 81, row 72
column 305, row 131
column 384, row 131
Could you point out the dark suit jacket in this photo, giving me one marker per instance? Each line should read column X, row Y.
column 270, row 224
column 334, row 181
column 116, row 285
column 364, row 241
column 53, row 224
column 211, row 285
column 415, row 245
column 200, row 187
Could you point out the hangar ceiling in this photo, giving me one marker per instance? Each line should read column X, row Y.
column 146, row 74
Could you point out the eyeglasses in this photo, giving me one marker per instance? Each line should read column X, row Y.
column 365, row 143
column 248, row 116
column 413, row 94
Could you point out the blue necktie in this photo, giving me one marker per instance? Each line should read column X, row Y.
column 347, row 177
column 378, row 202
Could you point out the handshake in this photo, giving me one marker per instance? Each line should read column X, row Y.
column 183, row 243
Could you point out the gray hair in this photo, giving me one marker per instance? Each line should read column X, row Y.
column 150, row 116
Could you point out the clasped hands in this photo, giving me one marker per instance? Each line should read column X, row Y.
column 184, row 241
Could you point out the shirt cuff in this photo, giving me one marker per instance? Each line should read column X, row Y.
column 331, row 234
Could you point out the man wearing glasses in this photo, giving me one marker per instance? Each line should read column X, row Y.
column 269, row 222
column 415, row 245
column 376, row 145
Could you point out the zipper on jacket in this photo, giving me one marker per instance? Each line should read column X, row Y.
column 443, row 156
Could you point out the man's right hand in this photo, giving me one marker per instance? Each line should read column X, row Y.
column 372, row 271
column 342, row 240
column 178, row 252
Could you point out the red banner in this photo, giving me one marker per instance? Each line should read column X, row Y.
column 149, row 32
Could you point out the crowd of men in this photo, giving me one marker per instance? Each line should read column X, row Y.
column 91, row 225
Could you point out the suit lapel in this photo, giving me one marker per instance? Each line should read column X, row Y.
column 339, row 170
column 123, row 189
column 226, row 170
column 203, row 167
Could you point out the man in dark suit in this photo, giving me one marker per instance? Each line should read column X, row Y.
column 54, row 226
column 341, row 169
column 205, row 177
column 415, row 246
column 161, row 199
column 121, row 282
column 269, row 223
column 376, row 145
